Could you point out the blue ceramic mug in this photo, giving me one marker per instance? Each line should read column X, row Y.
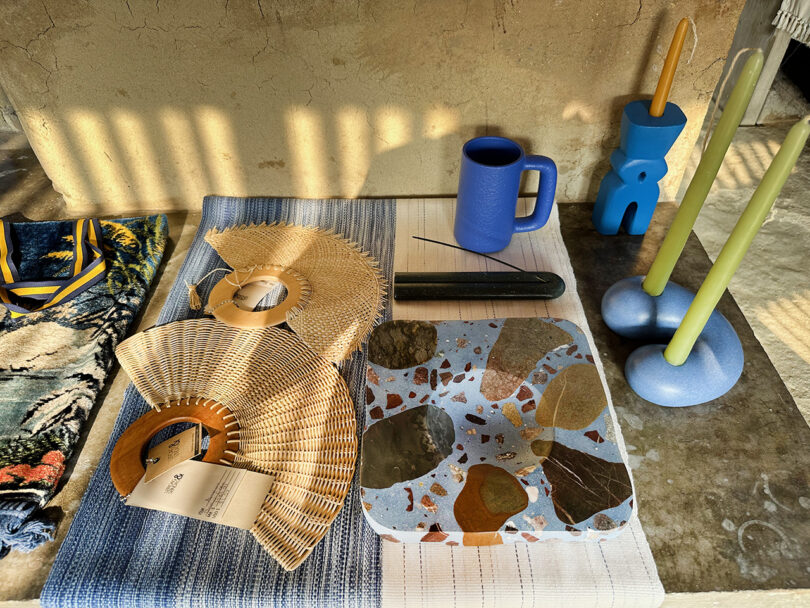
column 488, row 192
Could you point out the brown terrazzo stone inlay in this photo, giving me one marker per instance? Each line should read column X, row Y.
column 409, row 492
column 482, row 539
column 424, row 437
column 434, row 537
column 438, row 489
column 520, row 345
column 393, row 401
column 542, row 448
column 603, row 522
column 490, row 496
column 460, row 398
column 582, row 484
column 573, row 399
column 428, row 504
column 401, row 344
column 595, row 436
column 510, row 411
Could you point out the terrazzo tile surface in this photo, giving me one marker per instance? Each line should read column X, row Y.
column 489, row 432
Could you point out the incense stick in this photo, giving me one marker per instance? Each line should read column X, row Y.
column 489, row 257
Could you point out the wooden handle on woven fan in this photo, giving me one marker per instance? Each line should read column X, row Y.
column 127, row 460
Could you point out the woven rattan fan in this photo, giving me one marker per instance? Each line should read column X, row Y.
column 269, row 404
column 335, row 290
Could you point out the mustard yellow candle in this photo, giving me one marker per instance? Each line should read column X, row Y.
column 659, row 100
column 737, row 244
column 701, row 183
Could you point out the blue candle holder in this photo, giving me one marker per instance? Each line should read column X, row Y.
column 629, row 193
column 712, row 368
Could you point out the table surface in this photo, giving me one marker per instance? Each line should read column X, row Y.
column 722, row 488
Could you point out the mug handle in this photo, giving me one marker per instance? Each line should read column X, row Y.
column 545, row 193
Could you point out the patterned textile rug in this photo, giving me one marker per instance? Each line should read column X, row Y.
column 116, row 555
column 54, row 362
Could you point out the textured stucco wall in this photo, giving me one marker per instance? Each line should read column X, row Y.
column 143, row 104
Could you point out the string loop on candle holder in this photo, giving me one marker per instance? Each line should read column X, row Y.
column 695, row 43
column 720, row 95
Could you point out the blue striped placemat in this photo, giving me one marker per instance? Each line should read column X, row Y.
column 116, row 555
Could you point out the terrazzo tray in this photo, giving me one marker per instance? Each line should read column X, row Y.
column 489, row 432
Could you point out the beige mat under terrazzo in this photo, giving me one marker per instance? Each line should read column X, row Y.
column 617, row 572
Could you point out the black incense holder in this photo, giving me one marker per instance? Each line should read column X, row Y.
column 477, row 286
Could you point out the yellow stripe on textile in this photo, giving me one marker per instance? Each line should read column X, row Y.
column 28, row 291
column 77, row 244
column 74, row 286
column 7, row 276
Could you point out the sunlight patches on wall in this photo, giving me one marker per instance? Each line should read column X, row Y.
column 354, row 135
column 392, row 128
column 139, row 155
column 440, row 121
column 94, row 144
column 306, row 142
column 220, row 151
column 180, row 141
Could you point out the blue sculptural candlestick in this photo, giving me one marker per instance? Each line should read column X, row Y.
column 704, row 357
column 629, row 192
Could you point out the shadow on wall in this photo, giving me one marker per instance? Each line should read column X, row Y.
column 174, row 157
column 139, row 104
column 129, row 155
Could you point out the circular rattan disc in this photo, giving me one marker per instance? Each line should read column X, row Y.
column 222, row 305
column 347, row 288
column 295, row 417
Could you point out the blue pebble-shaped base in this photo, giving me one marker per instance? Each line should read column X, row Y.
column 712, row 368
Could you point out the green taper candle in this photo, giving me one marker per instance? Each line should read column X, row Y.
column 701, row 183
column 737, row 244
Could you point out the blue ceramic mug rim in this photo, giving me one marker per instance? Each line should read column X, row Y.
column 493, row 138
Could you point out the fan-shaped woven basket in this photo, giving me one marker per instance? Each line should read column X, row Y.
column 295, row 417
column 344, row 288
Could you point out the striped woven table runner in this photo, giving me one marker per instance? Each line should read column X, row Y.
column 116, row 555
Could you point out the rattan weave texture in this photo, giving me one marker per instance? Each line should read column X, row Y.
column 347, row 287
column 295, row 415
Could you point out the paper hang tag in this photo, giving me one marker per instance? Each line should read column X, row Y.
column 249, row 296
column 172, row 452
column 203, row 490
